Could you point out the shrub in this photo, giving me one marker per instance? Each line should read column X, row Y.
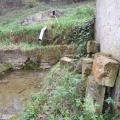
column 81, row 35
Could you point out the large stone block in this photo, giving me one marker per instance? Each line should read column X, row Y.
column 117, row 93
column 105, row 70
column 14, row 57
column 96, row 92
column 66, row 60
column 86, row 67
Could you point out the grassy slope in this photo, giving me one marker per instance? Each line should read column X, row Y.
column 62, row 97
column 11, row 19
column 75, row 13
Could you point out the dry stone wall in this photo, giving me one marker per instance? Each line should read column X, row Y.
column 50, row 55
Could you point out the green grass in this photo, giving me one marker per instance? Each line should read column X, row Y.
column 24, row 46
column 74, row 15
column 7, row 44
column 10, row 21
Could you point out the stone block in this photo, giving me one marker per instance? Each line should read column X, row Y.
column 45, row 66
column 105, row 70
column 86, row 67
column 117, row 93
column 93, row 47
column 66, row 60
column 96, row 92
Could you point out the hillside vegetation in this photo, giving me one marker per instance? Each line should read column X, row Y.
column 75, row 26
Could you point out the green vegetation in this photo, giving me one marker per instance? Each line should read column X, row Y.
column 64, row 91
column 31, row 65
column 11, row 21
column 63, row 97
column 63, row 94
column 75, row 27
column 60, row 93
column 80, row 35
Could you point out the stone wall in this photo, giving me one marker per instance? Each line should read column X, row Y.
column 49, row 55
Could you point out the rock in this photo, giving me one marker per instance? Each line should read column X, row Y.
column 66, row 60
column 105, row 70
column 14, row 57
column 117, row 93
column 96, row 92
column 52, row 55
column 45, row 66
column 41, row 117
column 17, row 57
column 86, row 67
column 93, row 47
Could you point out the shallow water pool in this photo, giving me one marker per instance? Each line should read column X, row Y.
column 16, row 88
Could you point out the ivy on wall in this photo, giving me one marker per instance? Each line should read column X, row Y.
column 80, row 35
